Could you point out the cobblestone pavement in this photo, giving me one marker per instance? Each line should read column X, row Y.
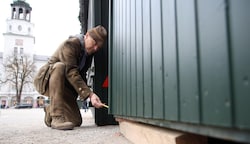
column 26, row 126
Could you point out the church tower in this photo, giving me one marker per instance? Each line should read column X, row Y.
column 19, row 31
column 20, row 41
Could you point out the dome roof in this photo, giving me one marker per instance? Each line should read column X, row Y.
column 21, row 3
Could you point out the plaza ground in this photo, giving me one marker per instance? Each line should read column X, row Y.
column 26, row 126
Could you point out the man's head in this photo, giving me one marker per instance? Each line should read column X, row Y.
column 95, row 38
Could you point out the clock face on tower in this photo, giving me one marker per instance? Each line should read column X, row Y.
column 19, row 27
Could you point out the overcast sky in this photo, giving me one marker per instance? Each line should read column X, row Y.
column 54, row 21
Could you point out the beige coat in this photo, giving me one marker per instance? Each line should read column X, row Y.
column 66, row 82
column 70, row 53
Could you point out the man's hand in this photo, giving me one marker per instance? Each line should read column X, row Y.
column 95, row 100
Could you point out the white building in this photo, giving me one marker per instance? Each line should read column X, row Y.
column 19, row 39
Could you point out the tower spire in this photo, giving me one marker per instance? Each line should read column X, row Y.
column 20, row 10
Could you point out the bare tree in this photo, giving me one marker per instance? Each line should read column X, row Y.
column 18, row 72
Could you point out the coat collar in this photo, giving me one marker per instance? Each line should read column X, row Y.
column 81, row 39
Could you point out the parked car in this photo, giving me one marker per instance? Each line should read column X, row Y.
column 19, row 106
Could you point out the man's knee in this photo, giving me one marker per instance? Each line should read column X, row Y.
column 59, row 67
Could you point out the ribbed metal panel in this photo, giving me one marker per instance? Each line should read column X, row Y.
column 181, row 60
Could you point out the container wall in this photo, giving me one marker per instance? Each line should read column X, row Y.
column 184, row 61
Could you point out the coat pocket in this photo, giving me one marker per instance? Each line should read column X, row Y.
column 42, row 78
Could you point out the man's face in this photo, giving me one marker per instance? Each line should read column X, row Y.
column 90, row 44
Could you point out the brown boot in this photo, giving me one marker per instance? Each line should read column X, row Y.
column 58, row 122
column 47, row 118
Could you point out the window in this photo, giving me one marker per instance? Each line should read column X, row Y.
column 10, row 27
column 15, row 51
column 19, row 27
column 21, row 14
column 21, row 51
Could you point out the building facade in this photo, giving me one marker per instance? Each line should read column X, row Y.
column 19, row 39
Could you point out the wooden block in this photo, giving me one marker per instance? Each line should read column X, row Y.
column 139, row 133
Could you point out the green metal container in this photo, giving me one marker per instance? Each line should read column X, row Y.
column 182, row 64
